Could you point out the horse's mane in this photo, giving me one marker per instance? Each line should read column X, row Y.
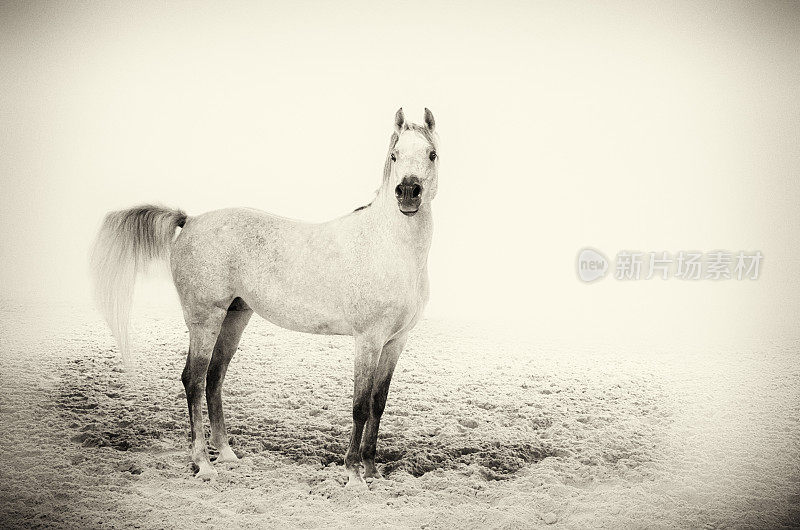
column 387, row 166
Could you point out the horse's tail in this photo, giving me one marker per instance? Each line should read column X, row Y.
column 128, row 240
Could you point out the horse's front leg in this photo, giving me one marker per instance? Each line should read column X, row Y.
column 368, row 351
column 380, row 389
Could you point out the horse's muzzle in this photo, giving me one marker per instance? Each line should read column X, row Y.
column 409, row 195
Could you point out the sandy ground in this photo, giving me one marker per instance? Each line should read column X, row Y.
column 484, row 427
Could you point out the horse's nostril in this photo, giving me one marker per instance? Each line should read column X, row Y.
column 416, row 191
column 398, row 192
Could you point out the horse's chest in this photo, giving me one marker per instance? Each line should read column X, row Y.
column 394, row 295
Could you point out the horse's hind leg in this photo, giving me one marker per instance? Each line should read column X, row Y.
column 204, row 327
column 380, row 390
column 227, row 342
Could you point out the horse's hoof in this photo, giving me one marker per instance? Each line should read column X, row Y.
column 372, row 472
column 226, row 454
column 206, row 472
column 356, row 482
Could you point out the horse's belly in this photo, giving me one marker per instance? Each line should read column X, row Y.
column 300, row 315
column 330, row 315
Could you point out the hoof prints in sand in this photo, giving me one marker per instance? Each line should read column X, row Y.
column 107, row 410
column 415, row 455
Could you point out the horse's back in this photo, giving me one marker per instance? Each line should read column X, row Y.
column 234, row 230
column 208, row 252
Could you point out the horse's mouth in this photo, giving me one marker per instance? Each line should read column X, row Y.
column 409, row 207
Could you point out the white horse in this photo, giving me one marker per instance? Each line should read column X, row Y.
column 363, row 274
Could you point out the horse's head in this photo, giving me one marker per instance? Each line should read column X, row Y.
column 413, row 163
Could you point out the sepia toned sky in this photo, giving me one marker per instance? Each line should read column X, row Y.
column 642, row 126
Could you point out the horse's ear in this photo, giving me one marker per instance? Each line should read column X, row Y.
column 399, row 120
column 430, row 123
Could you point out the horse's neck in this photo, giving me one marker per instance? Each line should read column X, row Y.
column 409, row 233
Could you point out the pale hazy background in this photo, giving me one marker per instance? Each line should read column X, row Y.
column 643, row 126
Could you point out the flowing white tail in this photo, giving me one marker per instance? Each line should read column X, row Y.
column 128, row 240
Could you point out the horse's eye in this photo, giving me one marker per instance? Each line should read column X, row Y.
column 394, row 158
column 432, row 156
